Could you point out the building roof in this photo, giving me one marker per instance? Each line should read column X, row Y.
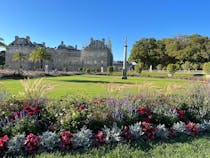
column 96, row 44
column 22, row 42
column 63, row 46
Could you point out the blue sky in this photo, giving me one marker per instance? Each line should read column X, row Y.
column 76, row 21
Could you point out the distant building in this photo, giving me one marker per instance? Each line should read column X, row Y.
column 96, row 55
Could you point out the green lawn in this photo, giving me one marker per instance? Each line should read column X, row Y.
column 182, row 148
column 93, row 85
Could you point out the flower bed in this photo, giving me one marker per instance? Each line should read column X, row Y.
column 34, row 126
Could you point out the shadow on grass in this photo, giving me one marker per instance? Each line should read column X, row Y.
column 91, row 81
column 198, row 75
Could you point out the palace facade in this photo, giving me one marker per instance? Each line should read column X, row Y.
column 96, row 54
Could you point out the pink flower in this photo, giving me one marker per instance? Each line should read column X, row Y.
column 31, row 143
column 192, row 128
column 181, row 114
column 149, row 130
column 99, row 138
column 66, row 139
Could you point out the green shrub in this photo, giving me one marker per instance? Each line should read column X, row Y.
column 159, row 67
column 187, row 66
column 171, row 68
column 195, row 66
column 110, row 69
column 87, row 70
column 139, row 67
column 206, row 68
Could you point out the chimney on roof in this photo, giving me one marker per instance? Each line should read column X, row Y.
column 28, row 38
column 16, row 37
column 103, row 40
column 62, row 43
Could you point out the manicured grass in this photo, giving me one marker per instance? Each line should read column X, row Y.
column 163, row 74
column 187, row 148
column 95, row 85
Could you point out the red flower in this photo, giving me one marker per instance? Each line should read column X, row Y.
column 181, row 114
column 31, row 143
column 3, row 141
column 35, row 109
column 148, row 119
column 192, row 128
column 126, row 133
column 12, row 116
column 99, row 138
column 66, row 139
column 143, row 110
column 149, row 130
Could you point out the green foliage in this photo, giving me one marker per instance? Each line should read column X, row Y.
column 159, row 67
column 82, row 139
column 1, row 43
column 87, row 70
column 136, row 130
column 162, row 132
column 20, row 57
column 40, row 54
column 49, row 140
column 110, row 69
column 16, row 144
column 139, row 67
column 206, row 68
column 171, row 68
column 113, row 135
column 187, row 66
column 180, row 49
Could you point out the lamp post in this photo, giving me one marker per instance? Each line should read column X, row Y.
column 125, row 60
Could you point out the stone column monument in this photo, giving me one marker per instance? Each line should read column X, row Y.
column 125, row 60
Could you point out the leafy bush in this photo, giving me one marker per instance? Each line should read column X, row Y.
column 159, row 67
column 162, row 132
column 112, row 135
column 82, row 139
column 136, row 130
column 206, row 68
column 171, row 68
column 49, row 140
column 110, row 69
column 16, row 144
column 139, row 67
column 187, row 66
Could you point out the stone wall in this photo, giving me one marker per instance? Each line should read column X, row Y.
column 68, row 58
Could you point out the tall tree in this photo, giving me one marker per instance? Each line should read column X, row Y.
column 20, row 57
column 1, row 42
column 145, row 51
column 40, row 54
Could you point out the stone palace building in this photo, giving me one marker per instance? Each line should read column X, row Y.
column 96, row 54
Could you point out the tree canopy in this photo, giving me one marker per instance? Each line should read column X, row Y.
column 193, row 49
column 20, row 57
column 1, row 42
column 40, row 54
